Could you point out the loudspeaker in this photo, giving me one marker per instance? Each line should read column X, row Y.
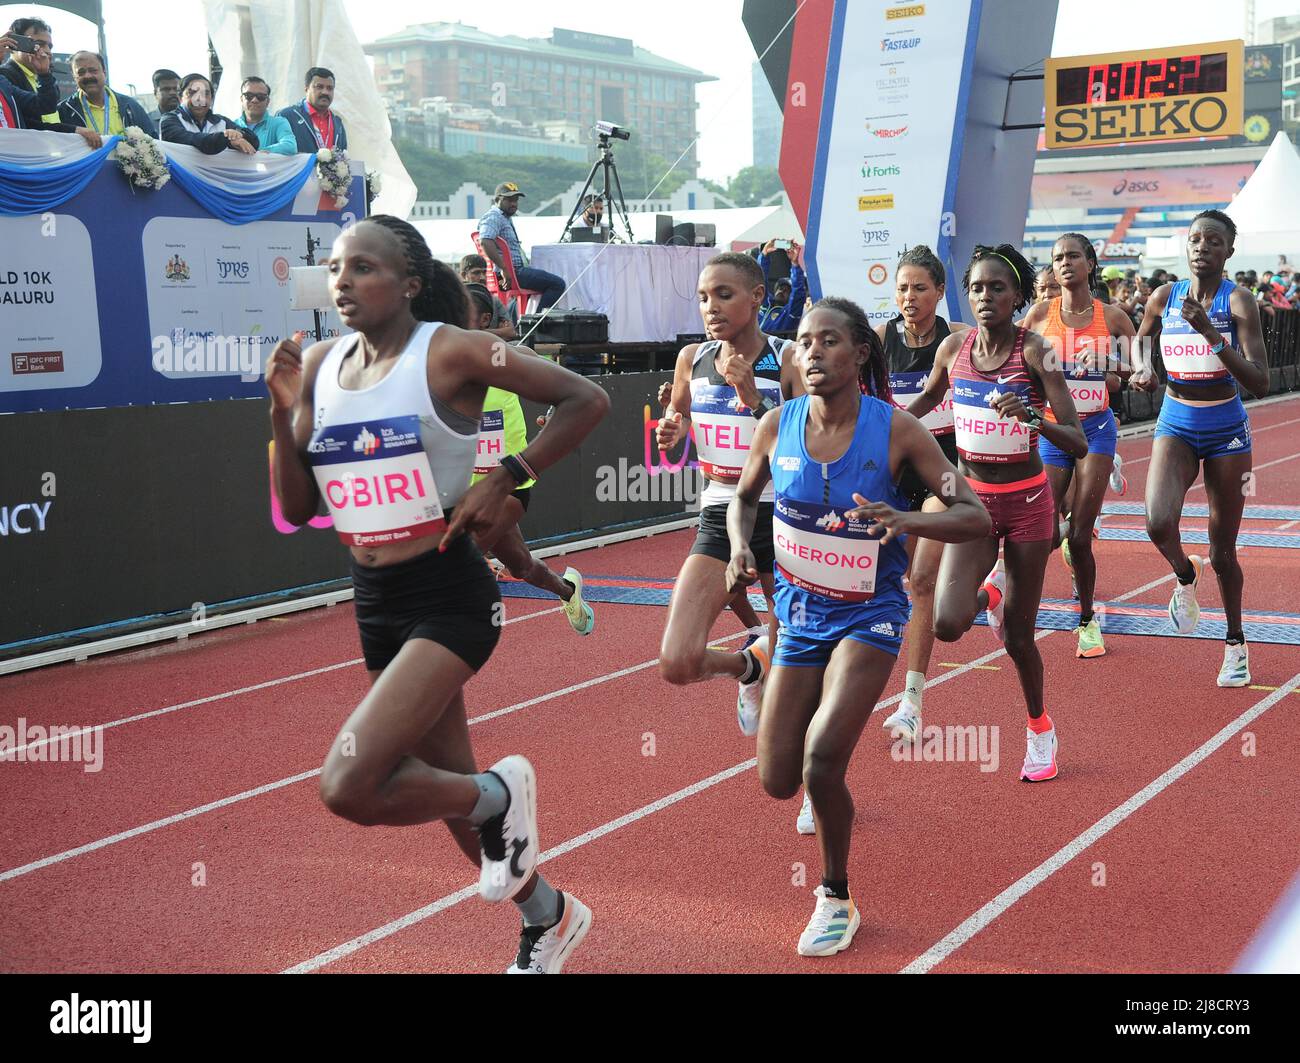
column 663, row 228
column 684, row 234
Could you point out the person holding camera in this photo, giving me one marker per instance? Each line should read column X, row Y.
column 29, row 95
column 783, row 307
column 498, row 224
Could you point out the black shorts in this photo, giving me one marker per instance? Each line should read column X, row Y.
column 451, row 599
column 912, row 487
column 712, row 540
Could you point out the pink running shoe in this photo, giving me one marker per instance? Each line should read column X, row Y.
column 1040, row 756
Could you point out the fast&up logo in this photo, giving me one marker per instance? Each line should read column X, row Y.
column 831, row 521
column 899, row 44
column 366, row 442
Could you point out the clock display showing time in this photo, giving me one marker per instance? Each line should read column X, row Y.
column 1146, row 79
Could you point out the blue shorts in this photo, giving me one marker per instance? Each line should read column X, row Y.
column 881, row 628
column 1211, row 431
column 1102, row 433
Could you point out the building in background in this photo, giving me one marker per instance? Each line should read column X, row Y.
column 461, row 90
column 767, row 122
column 1286, row 32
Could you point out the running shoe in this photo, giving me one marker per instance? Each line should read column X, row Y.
column 832, row 926
column 997, row 578
column 543, row 950
column 1040, row 756
column 509, row 841
column 1090, row 641
column 581, row 618
column 1118, row 483
column 1184, row 611
column 750, row 697
column 754, row 634
column 1236, row 666
column 905, row 721
column 805, row 824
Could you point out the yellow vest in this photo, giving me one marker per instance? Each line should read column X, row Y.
column 53, row 116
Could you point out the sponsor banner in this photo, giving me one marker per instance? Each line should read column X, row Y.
column 819, row 550
column 1140, row 188
column 126, row 298
column 1156, row 94
column 894, row 78
column 904, row 387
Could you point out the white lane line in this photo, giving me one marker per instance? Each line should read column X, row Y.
column 224, row 802
column 13, row 753
column 1266, row 465
column 1288, row 524
column 158, row 824
column 942, row 949
column 338, row 952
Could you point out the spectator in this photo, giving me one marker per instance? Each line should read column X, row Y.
column 505, row 319
column 272, row 131
column 26, row 71
column 314, row 124
column 195, row 124
column 1240, row 278
column 497, row 223
column 1158, row 277
column 1046, row 286
column 498, row 323
column 22, row 107
column 1112, row 277
column 593, row 215
column 782, row 308
column 96, row 106
column 166, row 94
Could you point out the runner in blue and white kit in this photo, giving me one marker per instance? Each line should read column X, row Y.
column 835, row 456
column 1210, row 340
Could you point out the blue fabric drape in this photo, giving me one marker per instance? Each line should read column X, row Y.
column 240, row 208
column 36, row 189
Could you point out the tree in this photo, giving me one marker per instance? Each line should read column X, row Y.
column 752, row 185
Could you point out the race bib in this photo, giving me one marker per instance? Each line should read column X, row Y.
column 819, row 550
column 1089, row 395
column 904, row 387
column 491, row 441
column 375, row 478
column 724, row 427
column 983, row 434
column 1189, row 358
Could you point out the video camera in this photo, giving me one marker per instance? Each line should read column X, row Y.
column 609, row 129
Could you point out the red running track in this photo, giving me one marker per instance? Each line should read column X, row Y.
column 687, row 865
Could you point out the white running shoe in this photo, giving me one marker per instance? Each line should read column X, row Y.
column 806, row 824
column 831, row 928
column 750, row 697
column 905, row 721
column 581, row 618
column 1236, row 666
column 509, row 841
column 1040, row 756
column 1117, row 482
column 543, row 950
column 998, row 577
column 498, row 569
column 1184, row 611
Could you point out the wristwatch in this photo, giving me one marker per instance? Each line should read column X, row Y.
column 1034, row 419
column 765, row 406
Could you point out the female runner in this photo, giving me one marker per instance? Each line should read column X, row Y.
column 1091, row 341
column 383, row 423
column 1210, row 339
column 723, row 386
column 835, row 456
column 1000, row 380
column 501, row 432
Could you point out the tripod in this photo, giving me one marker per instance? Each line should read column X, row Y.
column 604, row 165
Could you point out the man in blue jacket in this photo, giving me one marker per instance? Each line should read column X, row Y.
column 95, row 106
column 783, row 307
column 19, row 108
column 314, row 124
column 273, row 132
column 25, row 74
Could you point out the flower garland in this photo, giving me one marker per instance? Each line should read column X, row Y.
column 334, row 172
column 141, row 159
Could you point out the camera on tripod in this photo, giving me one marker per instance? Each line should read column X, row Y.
column 605, row 130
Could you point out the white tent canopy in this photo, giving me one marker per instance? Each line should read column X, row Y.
column 449, row 238
column 1267, row 209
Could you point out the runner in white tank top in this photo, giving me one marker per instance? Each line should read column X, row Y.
column 382, row 425
column 724, row 386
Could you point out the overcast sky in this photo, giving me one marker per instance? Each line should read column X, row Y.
column 674, row 29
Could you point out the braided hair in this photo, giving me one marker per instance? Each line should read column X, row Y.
column 1010, row 259
column 442, row 296
column 1089, row 252
column 873, row 374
